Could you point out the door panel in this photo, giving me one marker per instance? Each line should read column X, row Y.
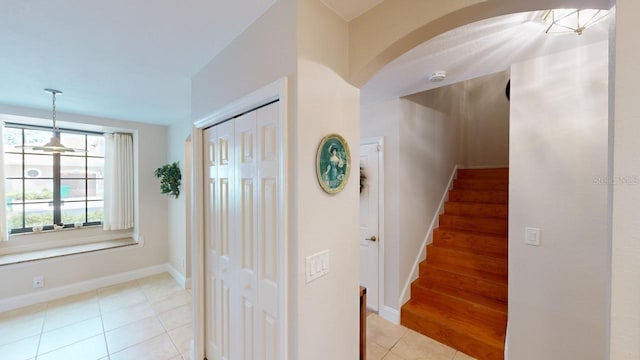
column 369, row 225
column 243, row 237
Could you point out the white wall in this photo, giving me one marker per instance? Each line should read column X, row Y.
column 328, row 308
column 558, row 307
column 153, row 211
column 625, row 287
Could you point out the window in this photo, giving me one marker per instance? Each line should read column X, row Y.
column 43, row 189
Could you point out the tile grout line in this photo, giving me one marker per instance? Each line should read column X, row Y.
column 104, row 332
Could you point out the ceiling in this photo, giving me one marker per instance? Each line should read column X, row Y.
column 474, row 50
column 123, row 59
column 133, row 60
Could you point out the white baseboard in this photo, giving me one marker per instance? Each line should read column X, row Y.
column 415, row 271
column 178, row 277
column 390, row 314
column 79, row 287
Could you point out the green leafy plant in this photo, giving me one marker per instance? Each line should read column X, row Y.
column 170, row 177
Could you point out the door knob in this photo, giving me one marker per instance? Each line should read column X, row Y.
column 373, row 238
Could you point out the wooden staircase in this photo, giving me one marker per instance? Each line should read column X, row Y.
column 460, row 297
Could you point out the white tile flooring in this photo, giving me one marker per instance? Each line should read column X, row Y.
column 387, row 341
column 145, row 319
column 151, row 319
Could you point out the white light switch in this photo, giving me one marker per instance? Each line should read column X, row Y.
column 532, row 236
column 317, row 265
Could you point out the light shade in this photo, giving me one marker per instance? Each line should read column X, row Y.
column 563, row 21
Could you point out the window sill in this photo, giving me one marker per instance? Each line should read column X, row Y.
column 11, row 259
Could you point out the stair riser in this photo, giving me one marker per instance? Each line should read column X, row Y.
column 480, row 265
column 475, row 224
column 448, row 336
column 499, row 211
column 500, row 173
column 481, row 184
column 473, row 289
column 489, row 197
column 485, row 246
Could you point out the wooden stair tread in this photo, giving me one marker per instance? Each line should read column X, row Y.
column 422, row 291
column 479, row 224
column 479, row 196
column 499, row 211
column 501, row 173
column 476, row 243
column 480, row 343
column 481, row 184
column 482, row 331
column 460, row 295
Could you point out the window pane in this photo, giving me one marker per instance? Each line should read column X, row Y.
column 72, row 167
column 72, row 189
column 14, row 216
column 12, row 138
column 75, row 141
column 13, row 165
column 95, row 189
column 95, row 145
column 36, row 137
column 38, row 190
column 13, row 191
column 95, row 211
column 96, row 168
column 38, row 214
column 38, row 166
column 73, row 212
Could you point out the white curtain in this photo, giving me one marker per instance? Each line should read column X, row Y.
column 118, row 182
column 3, row 209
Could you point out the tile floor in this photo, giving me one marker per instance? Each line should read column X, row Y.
column 387, row 341
column 151, row 319
column 145, row 319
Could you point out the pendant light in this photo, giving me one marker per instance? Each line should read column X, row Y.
column 54, row 145
column 563, row 21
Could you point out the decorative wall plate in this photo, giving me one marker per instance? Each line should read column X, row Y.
column 333, row 163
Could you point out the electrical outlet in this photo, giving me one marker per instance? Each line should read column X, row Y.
column 38, row 281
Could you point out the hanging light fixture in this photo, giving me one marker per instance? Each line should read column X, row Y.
column 54, row 145
column 563, row 21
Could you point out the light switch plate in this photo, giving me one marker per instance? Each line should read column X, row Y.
column 317, row 265
column 532, row 236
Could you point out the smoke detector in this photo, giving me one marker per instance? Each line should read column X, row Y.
column 437, row 76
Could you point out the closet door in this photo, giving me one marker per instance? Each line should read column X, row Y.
column 270, row 239
column 243, row 234
column 211, row 238
column 245, row 244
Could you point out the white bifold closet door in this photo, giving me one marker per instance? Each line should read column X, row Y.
column 243, row 272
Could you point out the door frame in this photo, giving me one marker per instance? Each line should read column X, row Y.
column 381, row 238
column 277, row 90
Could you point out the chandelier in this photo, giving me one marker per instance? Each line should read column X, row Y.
column 563, row 21
column 54, row 145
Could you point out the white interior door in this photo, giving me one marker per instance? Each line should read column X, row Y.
column 243, row 251
column 369, row 244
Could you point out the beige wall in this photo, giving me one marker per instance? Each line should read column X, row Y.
column 153, row 211
column 625, row 287
column 485, row 129
column 328, row 308
column 558, row 292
